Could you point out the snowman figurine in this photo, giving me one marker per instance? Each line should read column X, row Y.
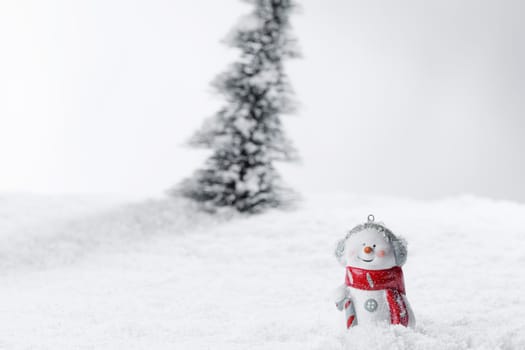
column 374, row 289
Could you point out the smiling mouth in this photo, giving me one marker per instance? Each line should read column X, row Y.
column 360, row 258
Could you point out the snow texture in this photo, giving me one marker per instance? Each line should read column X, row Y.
column 160, row 275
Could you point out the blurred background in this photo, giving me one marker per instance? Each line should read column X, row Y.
column 418, row 99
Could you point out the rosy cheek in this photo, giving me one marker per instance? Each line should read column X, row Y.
column 381, row 253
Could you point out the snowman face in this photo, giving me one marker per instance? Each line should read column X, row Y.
column 369, row 249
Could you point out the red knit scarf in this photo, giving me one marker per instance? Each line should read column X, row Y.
column 391, row 280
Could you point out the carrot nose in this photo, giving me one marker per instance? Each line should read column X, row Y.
column 368, row 249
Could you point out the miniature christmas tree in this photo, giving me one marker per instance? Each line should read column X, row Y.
column 246, row 135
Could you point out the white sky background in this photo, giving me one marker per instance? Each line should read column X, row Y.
column 413, row 98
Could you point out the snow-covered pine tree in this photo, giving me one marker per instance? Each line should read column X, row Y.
column 247, row 135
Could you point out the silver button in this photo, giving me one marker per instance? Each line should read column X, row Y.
column 371, row 305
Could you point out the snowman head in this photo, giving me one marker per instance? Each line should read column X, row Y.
column 371, row 246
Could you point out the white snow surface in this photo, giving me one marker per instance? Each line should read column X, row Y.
column 160, row 275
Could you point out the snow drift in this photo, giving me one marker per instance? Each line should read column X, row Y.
column 160, row 275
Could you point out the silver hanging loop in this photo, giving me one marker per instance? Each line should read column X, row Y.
column 371, row 218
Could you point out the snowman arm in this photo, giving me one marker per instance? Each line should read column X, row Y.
column 411, row 317
column 341, row 296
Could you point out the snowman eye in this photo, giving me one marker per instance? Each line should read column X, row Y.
column 364, row 244
column 374, row 246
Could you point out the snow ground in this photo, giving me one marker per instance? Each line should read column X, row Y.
column 159, row 275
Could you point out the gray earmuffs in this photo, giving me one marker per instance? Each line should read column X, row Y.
column 399, row 244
